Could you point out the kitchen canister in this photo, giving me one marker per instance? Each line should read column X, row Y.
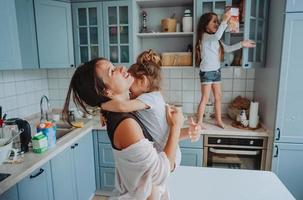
column 187, row 21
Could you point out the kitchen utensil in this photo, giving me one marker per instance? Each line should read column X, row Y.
column 6, row 150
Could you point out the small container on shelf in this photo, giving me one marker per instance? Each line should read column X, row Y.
column 169, row 25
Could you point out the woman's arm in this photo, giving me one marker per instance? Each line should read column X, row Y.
column 124, row 106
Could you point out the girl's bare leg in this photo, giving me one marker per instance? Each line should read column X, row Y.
column 205, row 90
column 216, row 89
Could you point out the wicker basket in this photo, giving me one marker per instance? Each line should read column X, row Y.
column 177, row 59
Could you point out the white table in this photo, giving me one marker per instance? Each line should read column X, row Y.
column 201, row 183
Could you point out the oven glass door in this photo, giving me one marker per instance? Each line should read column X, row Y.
column 234, row 158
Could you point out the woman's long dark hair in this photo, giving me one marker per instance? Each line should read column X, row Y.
column 202, row 24
column 85, row 88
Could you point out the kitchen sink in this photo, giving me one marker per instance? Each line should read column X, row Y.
column 3, row 176
column 64, row 128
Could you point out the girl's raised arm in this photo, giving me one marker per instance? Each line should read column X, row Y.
column 124, row 105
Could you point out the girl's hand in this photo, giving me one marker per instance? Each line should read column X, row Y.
column 226, row 16
column 102, row 120
column 248, row 44
column 174, row 116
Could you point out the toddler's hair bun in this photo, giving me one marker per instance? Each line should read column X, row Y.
column 149, row 56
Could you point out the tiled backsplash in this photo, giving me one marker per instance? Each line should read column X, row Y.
column 21, row 90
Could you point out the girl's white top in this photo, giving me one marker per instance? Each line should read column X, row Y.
column 154, row 119
column 210, row 49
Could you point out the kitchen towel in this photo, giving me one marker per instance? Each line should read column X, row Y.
column 253, row 114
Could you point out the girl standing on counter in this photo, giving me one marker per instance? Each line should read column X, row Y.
column 148, row 101
column 209, row 51
column 140, row 169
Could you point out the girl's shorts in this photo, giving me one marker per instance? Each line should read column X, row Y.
column 210, row 77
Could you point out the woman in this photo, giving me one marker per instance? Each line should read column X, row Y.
column 139, row 168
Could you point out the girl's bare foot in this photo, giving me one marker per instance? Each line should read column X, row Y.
column 220, row 124
column 202, row 125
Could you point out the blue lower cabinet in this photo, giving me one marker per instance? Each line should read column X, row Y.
column 107, row 178
column 37, row 186
column 191, row 157
column 73, row 171
column 63, row 176
column 11, row 194
column 106, row 157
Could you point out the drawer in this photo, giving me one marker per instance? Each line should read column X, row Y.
column 103, row 137
column 188, row 144
column 106, row 157
column 107, row 178
column 191, row 157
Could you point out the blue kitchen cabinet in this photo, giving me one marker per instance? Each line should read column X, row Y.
column 294, row 6
column 192, row 152
column 253, row 27
column 11, row 194
column 287, row 163
column 63, row 175
column 54, row 34
column 118, row 32
column 37, row 186
column 88, row 31
column 73, row 171
column 104, row 164
column 18, row 49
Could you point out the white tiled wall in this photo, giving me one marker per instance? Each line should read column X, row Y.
column 182, row 86
column 21, row 90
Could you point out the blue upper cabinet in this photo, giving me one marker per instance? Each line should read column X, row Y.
column 54, row 34
column 118, row 33
column 88, row 31
column 252, row 25
column 294, row 6
column 18, row 49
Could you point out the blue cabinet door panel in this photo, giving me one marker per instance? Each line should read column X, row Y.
column 107, row 178
column 63, row 176
column 103, row 137
column 106, row 157
column 84, row 167
column 191, row 157
column 11, row 194
column 289, row 109
column 294, row 6
column 37, row 186
column 287, row 163
column 54, row 33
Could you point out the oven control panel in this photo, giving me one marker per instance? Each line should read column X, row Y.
column 236, row 141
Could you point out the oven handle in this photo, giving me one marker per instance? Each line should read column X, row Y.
column 238, row 152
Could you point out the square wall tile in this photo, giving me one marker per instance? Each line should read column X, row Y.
column 250, row 83
column 176, row 73
column 250, row 73
column 239, row 72
column 188, row 97
column 188, row 84
column 239, row 85
column 227, row 85
column 175, row 84
column 188, row 73
column 227, row 72
column 175, row 97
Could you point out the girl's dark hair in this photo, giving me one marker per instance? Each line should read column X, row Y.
column 202, row 24
column 148, row 64
column 86, row 89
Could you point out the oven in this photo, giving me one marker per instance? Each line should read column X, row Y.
column 237, row 152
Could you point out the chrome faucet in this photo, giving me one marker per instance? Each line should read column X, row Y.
column 41, row 108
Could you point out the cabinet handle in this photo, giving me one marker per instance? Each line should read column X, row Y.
column 34, row 176
column 277, row 151
column 72, row 147
column 76, row 144
column 71, row 65
column 226, row 64
column 278, row 133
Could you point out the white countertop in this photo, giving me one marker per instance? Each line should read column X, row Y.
column 196, row 183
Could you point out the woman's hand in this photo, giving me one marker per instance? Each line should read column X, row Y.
column 174, row 116
column 227, row 16
column 248, row 43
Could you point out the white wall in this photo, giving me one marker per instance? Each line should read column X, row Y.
column 21, row 90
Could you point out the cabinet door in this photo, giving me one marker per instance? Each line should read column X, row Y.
column 118, row 32
column 216, row 6
column 9, row 48
column 63, row 175
column 107, row 178
column 88, row 31
column 106, row 157
column 54, row 33
column 84, row 167
column 294, row 6
column 191, row 157
column 11, row 194
column 289, row 109
column 255, row 24
column 37, row 186
column 287, row 163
